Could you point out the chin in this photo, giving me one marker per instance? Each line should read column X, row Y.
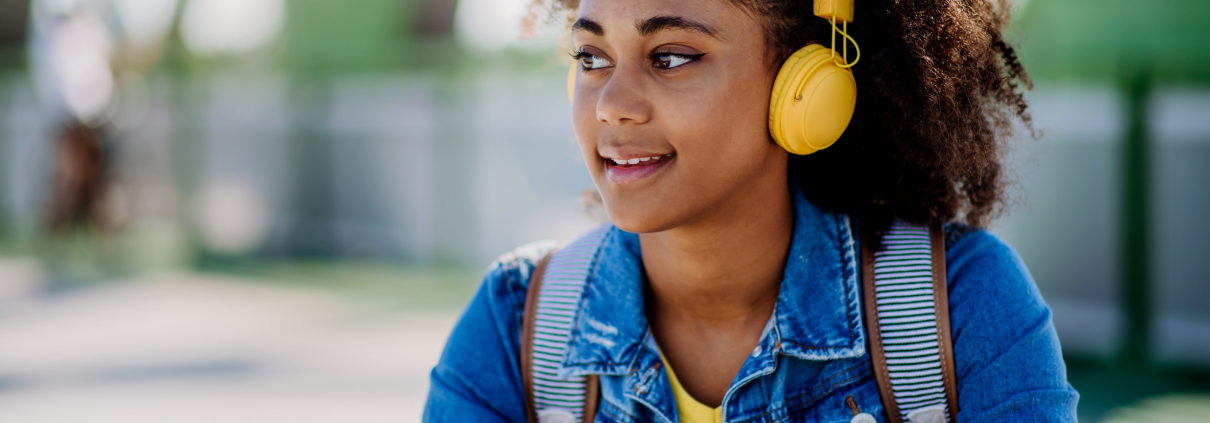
column 640, row 218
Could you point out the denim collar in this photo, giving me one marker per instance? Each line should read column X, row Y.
column 817, row 316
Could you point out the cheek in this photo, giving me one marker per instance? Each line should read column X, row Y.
column 722, row 131
column 723, row 147
column 583, row 123
column 584, row 127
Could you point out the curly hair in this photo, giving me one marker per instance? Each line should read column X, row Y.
column 938, row 92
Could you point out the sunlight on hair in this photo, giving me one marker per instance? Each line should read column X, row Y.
column 1018, row 6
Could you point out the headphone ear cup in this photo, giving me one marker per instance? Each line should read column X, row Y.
column 571, row 83
column 812, row 101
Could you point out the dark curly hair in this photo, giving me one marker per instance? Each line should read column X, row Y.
column 938, row 92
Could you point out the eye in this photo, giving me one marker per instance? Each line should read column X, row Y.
column 589, row 61
column 672, row 60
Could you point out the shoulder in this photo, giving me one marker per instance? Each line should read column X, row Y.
column 978, row 252
column 985, row 274
column 478, row 376
column 1007, row 356
column 496, row 309
column 507, row 278
column 519, row 263
column 982, row 268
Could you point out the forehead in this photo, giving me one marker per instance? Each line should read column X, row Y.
column 723, row 16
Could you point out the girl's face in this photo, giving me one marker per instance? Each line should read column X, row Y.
column 677, row 91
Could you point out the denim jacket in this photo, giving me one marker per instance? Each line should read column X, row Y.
column 811, row 358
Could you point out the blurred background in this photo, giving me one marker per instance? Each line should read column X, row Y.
column 251, row 210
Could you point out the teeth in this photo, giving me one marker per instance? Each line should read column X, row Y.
column 641, row 159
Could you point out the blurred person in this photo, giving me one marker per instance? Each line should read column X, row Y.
column 72, row 50
column 80, row 179
column 752, row 271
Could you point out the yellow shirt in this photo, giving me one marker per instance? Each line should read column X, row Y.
column 690, row 410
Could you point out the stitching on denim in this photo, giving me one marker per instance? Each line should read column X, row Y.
column 845, row 273
column 584, row 363
column 609, row 405
column 825, row 381
column 806, row 346
column 762, row 415
column 850, row 311
column 827, row 391
column 811, row 347
column 637, row 347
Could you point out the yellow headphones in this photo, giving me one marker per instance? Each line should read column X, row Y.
column 814, row 93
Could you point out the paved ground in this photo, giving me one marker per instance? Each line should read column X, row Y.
column 204, row 348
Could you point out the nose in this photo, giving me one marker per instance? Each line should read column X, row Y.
column 622, row 100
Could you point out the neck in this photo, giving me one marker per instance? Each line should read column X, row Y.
column 726, row 267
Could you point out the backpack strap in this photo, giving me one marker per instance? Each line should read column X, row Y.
column 551, row 304
column 907, row 320
column 527, row 335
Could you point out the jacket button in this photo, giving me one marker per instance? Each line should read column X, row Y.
column 756, row 352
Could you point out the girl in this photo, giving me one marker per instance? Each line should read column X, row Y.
column 726, row 287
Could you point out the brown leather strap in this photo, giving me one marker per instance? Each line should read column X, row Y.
column 942, row 308
column 873, row 331
column 528, row 320
column 592, row 385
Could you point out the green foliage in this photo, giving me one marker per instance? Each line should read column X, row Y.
column 349, row 35
column 1109, row 39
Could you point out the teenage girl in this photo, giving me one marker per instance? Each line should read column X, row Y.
column 725, row 289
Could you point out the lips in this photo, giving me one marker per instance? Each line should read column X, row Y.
column 628, row 170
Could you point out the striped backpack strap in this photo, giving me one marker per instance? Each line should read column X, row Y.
column 550, row 310
column 907, row 319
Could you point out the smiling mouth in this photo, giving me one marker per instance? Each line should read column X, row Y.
column 635, row 169
column 638, row 161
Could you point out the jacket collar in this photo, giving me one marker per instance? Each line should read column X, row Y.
column 817, row 316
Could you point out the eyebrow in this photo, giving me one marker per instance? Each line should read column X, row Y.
column 588, row 25
column 659, row 23
column 649, row 26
